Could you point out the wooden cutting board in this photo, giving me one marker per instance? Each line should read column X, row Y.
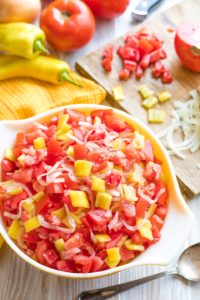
column 185, row 80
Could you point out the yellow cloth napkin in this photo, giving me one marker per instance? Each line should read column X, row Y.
column 22, row 98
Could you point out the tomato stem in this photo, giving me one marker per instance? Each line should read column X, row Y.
column 64, row 76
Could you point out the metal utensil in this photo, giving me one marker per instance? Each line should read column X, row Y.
column 141, row 11
column 188, row 267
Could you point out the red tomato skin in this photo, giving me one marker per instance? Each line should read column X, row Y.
column 40, row 250
column 67, row 33
column 80, row 151
column 54, row 148
column 40, row 205
column 7, row 165
column 184, row 45
column 24, row 176
column 107, row 9
column 126, row 254
column 141, row 208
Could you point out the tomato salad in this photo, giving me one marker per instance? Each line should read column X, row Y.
column 83, row 193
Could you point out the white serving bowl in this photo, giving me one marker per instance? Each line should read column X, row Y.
column 178, row 220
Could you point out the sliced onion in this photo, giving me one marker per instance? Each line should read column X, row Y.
column 41, row 126
column 144, row 196
column 129, row 227
column 159, row 194
column 72, row 137
column 114, row 193
column 70, row 253
column 114, row 221
column 92, row 236
column 69, row 217
column 85, row 124
column 45, row 224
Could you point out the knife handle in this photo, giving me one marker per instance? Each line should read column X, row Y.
column 145, row 6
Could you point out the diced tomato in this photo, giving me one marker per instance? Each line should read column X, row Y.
column 115, row 238
column 75, row 116
column 51, row 257
column 152, row 171
column 54, row 121
column 107, row 64
column 113, row 179
column 157, row 221
column 84, row 261
column 145, row 62
column 128, row 208
column 24, row 175
column 15, row 200
column 99, row 167
column 124, row 74
column 40, row 250
column 126, row 254
column 157, row 54
column 7, row 165
column 51, row 131
column 139, row 72
column 97, row 263
column 141, row 208
column 148, row 151
column 130, row 65
column 126, row 52
column 54, row 148
column 101, row 113
column 131, row 41
column 76, row 241
column 137, row 238
column 167, row 77
column 98, row 217
column 115, row 123
column 164, row 196
column 145, row 46
column 108, row 52
column 161, row 211
column 71, row 184
column 66, row 266
column 55, row 188
column 80, row 151
column 41, row 204
column 132, row 153
column 98, row 156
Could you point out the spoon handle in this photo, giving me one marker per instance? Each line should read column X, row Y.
column 107, row 292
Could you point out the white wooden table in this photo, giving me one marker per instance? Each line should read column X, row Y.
column 19, row 281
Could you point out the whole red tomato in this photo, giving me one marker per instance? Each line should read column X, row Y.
column 68, row 24
column 107, row 9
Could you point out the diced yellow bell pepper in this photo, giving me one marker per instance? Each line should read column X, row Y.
column 14, row 229
column 70, row 151
column 111, row 264
column 21, row 159
column 39, row 143
column 79, row 199
column 150, row 102
column 164, row 96
column 64, row 136
column 82, row 168
column 98, row 184
column 129, row 192
column 122, row 240
column 31, row 224
column 103, row 200
column 39, row 196
column 65, row 221
column 15, row 191
column 97, row 120
column 29, row 207
column 136, row 176
column 156, row 116
column 151, row 211
column 59, row 244
column 144, row 226
column 119, row 144
column 145, row 91
column 59, row 213
column 118, row 93
column 76, row 219
column 62, row 123
column 1, row 241
column 102, row 238
column 138, row 141
column 134, row 247
column 113, row 254
column 9, row 154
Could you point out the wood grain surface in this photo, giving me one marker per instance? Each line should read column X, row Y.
column 20, row 281
column 184, row 81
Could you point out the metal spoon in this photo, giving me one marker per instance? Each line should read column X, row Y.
column 188, row 267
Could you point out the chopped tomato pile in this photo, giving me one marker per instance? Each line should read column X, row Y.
column 83, row 193
column 140, row 51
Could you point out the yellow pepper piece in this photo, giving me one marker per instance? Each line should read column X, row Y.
column 1, row 241
column 119, row 144
column 15, row 191
column 138, row 140
column 14, row 229
column 62, row 126
column 82, row 168
column 64, row 136
column 151, row 211
column 39, row 143
column 150, row 102
column 31, row 224
column 98, row 184
column 29, row 207
column 102, row 237
column 144, row 226
column 118, row 93
column 129, row 192
column 103, row 200
column 70, row 151
column 156, row 116
column 145, row 91
column 111, row 264
column 9, row 154
column 113, row 254
column 76, row 219
column 59, row 213
column 134, row 247
column 122, row 240
column 97, row 120
column 21, row 159
column 164, row 96
column 59, row 244
column 79, row 199
column 136, row 176
column 39, row 196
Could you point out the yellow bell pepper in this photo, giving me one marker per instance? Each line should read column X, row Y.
column 59, row 244
column 156, row 116
column 29, row 207
column 31, row 224
column 15, row 191
column 145, row 91
column 39, row 143
column 62, row 126
column 82, row 168
column 70, row 151
column 118, row 93
column 111, row 264
column 59, row 213
column 151, row 211
column 79, row 199
column 102, row 237
column 136, row 176
column 164, row 96
column 119, row 144
column 138, row 141
column 39, row 196
column 113, row 254
column 129, row 192
column 64, row 136
column 9, row 155
column 21, row 159
column 98, row 184
column 14, row 229
column 144, row 227
column 150, row 102
column 134, row 247
column 103, row 200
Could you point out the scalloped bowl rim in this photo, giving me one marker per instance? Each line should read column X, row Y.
column 149, row 259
